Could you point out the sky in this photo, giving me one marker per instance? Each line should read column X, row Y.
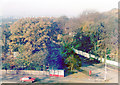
column 70, row 8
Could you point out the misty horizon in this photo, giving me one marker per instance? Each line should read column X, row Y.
column 53, row 8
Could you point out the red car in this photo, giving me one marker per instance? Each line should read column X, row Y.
column 27, row 79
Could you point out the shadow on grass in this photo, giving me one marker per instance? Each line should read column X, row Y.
column 67, row 73
column 85, row 62
column 84, row 71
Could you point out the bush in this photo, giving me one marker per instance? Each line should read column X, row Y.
column 6, row 66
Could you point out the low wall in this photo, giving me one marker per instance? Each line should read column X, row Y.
column 93, row 56
column 29, row 72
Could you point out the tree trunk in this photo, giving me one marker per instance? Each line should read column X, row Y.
column 100, row 58
column 71, row 67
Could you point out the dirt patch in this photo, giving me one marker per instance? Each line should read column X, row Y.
column 78, row 75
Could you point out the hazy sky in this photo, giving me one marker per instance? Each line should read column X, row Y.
column 53, row 7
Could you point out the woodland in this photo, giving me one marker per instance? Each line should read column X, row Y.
column 49, row 41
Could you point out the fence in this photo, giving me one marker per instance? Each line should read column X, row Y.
column 29, row 72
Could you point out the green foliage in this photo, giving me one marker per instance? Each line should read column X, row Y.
column 73, row 62
column 6, row 66
column 71, row 59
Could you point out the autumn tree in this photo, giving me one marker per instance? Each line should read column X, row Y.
column 31, row 38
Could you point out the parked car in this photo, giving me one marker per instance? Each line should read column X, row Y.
column 27, row 79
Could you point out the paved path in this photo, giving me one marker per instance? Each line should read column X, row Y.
column 98, row 72
column 47, row 79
